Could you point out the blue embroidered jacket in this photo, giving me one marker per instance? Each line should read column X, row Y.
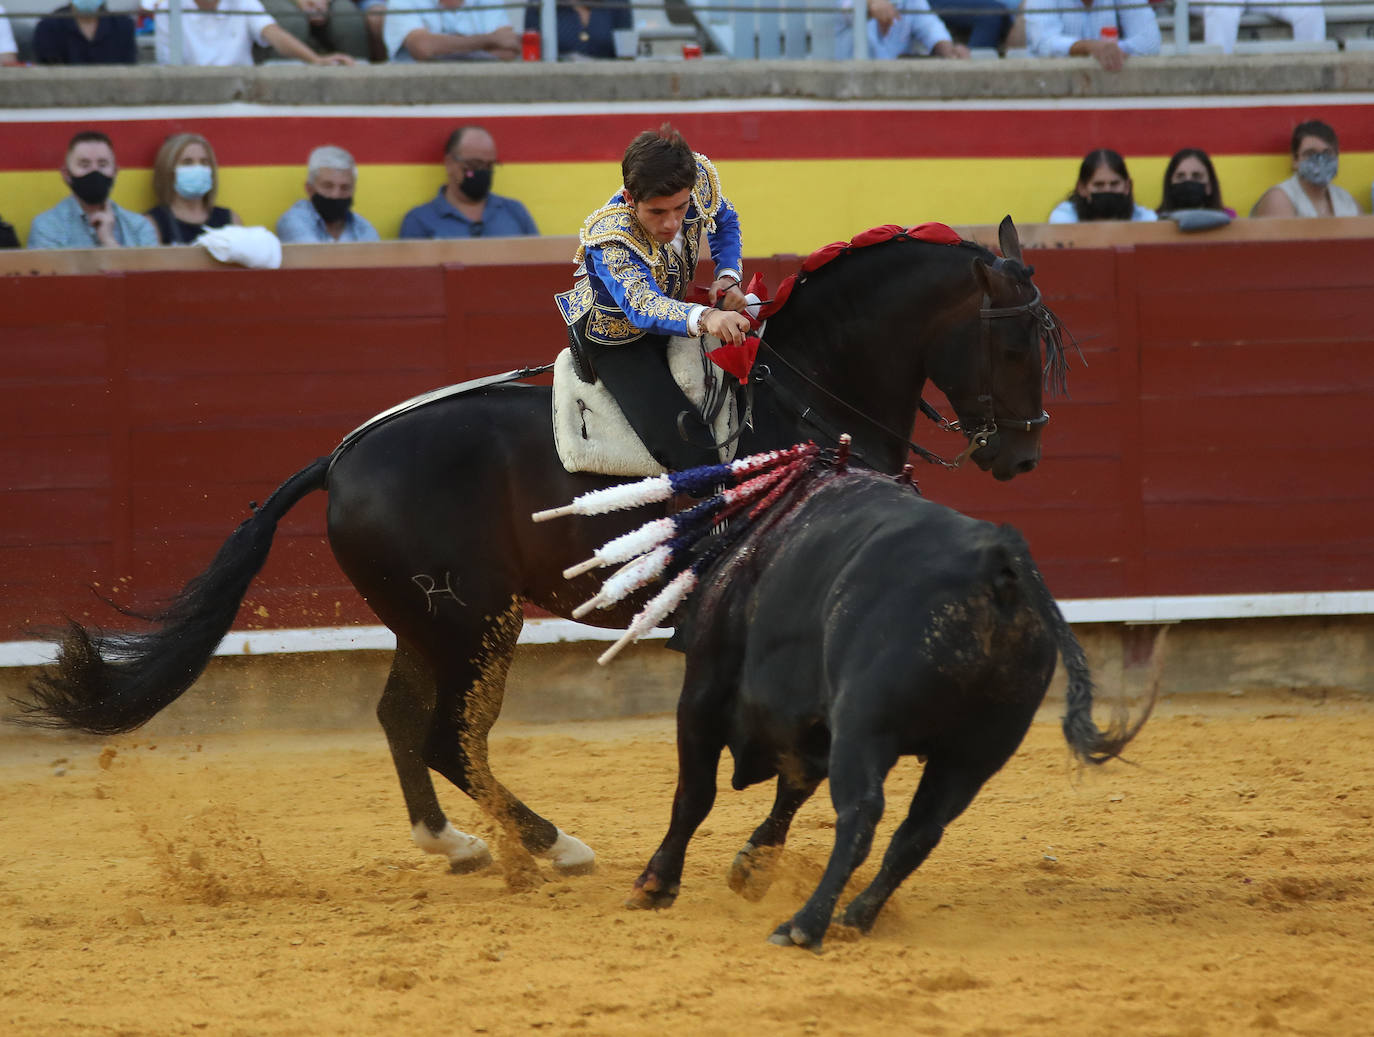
column 631, row 284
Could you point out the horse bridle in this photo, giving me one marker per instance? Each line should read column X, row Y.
column 978, row 438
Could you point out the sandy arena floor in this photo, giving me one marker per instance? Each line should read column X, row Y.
column 265, row 884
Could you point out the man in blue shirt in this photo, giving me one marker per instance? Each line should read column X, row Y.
column 87, row 218
column 465, row 206
column 326, row 213
column 84, row 32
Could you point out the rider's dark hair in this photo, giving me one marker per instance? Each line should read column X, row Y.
column 1092, row 162
column 658, row 163
column 1313, row 128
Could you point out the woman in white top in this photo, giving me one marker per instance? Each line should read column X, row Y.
column 1104, row 192
column 1309, row 192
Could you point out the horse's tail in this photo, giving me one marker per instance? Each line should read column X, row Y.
column 1085, row 738
column 108, row 683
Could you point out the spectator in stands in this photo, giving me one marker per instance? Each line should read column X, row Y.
column 895, row 29
column 1190, row 182
column 465, row 206
column 222, row 32
column 1132, row 31
column 450, row 30
column 346, row 33
column 8, row 237
column 84, row 32
column 9, row 50
column 87, row 218
column 1221, row 22
column 1103, row 192
column 987, row 29
column 326, row 213
column 585, row 32
column 1309, row 192
column 185, row 180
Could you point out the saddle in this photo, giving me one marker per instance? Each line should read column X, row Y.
column 592, row 435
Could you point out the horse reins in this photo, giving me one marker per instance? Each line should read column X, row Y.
column 977, row 439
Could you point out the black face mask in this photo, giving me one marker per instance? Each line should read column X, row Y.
column 331, row 210
column 1109, row 205
column 476, row 184
column 93, row 187
column 1186, row 194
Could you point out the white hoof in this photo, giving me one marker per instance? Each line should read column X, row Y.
column 570, row 856
column 464, row 852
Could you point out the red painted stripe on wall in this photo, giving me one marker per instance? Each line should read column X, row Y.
column 820, row 133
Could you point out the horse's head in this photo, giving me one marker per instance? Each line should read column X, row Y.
column 995, row 382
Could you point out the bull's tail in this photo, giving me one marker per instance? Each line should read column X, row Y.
column 1090, row 743
column 108, row 683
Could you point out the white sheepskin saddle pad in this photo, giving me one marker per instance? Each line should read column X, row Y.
column 592, row 435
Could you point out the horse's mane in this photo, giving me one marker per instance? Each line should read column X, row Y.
column 840, row 253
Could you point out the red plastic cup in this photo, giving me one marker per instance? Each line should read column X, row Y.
column 1109, row 32
column 531, row 48
column 691, row 50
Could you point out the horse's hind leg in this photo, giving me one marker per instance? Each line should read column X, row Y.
column 945, row 791
column 406, row 712
column 751, row 873
column 470, row 693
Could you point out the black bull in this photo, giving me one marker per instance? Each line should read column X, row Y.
column 870, row 624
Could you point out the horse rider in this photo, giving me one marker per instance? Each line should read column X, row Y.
column 635, row 260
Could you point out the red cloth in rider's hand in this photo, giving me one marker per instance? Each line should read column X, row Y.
column 736, row 360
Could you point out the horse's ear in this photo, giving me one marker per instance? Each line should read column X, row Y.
column 982, row 272
column 1008, row 239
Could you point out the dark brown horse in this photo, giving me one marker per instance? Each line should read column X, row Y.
column 429, row 511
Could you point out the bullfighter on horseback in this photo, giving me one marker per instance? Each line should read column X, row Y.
column 635, row 261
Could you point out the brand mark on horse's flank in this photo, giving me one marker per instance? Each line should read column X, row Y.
column 429, row 586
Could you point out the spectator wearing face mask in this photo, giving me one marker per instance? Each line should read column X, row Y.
column 87, row 218
column 1103, row 192
column 1309, row 192
column 465, row 206
column 326, row 213
column 1190, row 182
column 84, row 32
column 185, row 180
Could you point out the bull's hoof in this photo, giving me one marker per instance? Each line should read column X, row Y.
column 649, row 896
column 790, row 935
column 467, row 865
column 751, row 872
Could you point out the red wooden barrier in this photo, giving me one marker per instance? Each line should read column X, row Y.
column 1217, row 442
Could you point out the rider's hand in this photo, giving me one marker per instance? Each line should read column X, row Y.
column 726, row 294
column 725, row 325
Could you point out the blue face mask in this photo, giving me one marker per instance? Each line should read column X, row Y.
column 87, row 6
column 194, row 181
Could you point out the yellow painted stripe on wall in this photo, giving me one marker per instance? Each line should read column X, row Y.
column 785, row 206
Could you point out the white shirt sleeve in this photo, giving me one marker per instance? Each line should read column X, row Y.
column 7, row 44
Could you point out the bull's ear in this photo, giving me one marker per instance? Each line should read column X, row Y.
column 1008, row 239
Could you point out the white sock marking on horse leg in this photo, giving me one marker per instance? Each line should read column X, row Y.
column 457, row 846
column 568, row 853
